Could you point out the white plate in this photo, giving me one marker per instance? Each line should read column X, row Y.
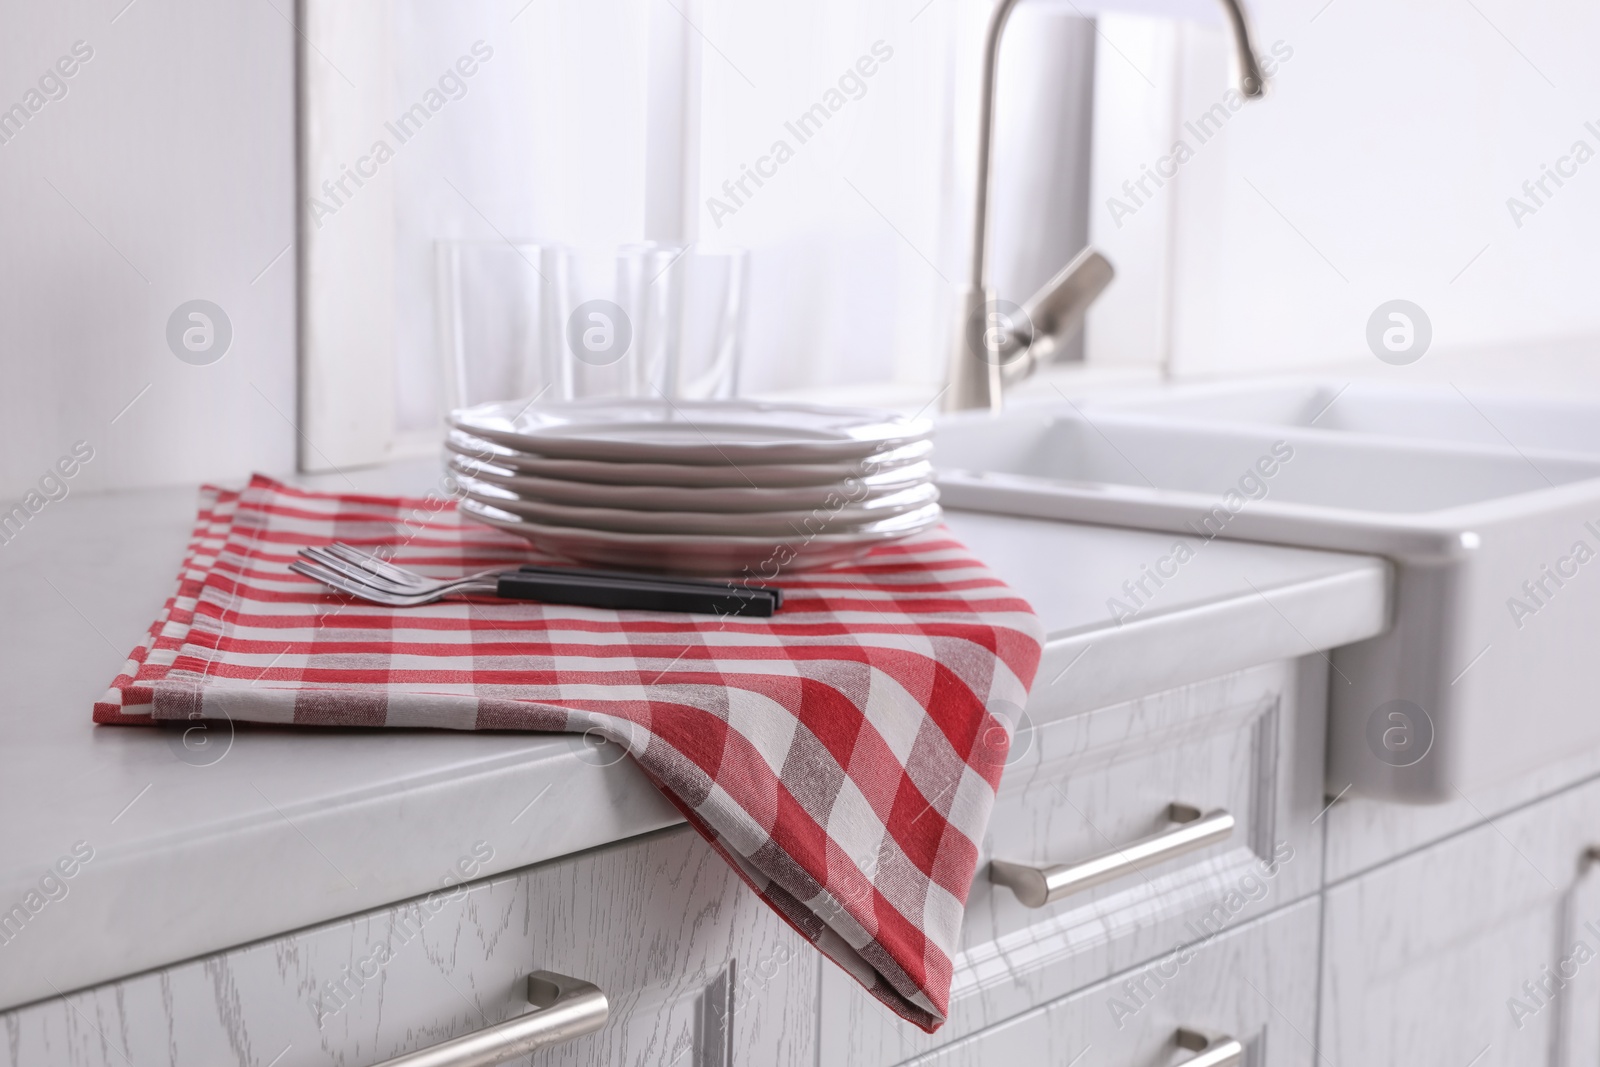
column 763, row 475
column 717, row 432
column 761, row 558
column 691, row 498
column 841, row 517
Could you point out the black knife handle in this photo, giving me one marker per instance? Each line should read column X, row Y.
column 635, row 596
column 654, row 579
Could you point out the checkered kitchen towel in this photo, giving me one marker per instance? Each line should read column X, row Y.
column 842, row 755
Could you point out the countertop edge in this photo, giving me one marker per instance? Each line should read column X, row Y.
column 348, row 865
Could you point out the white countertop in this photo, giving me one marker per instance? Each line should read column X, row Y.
column 293, row 827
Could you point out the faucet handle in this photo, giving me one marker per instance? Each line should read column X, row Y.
column 1056, row 311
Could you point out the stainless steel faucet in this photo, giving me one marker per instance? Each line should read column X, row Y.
column 998, row 342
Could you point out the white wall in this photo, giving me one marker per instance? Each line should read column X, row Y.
column 855, row 242
column 547, row 145
column 1391, row 142
column 165, row 174
column 1379, row 168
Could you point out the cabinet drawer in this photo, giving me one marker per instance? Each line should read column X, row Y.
column 1256, row 985
column 1363, row 833
column 1482, row 949
column 697, row 970
column 1249, row 744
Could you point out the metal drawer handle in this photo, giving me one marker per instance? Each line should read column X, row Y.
column 1214, row 1051
column 564, row 1008
column 1038, row 886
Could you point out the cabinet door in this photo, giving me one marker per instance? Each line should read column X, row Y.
column 1363, row 834
column 1256, row 985
column 698, row 971
column 1249, row 743
column 1483, row 949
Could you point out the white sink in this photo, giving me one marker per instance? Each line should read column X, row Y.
column 1466, row 687
column 1436, row 413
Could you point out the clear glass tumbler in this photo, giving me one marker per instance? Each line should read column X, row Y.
column 497, row 315
column 687, row 308
column 524, row 320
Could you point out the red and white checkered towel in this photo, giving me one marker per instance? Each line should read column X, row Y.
column 842, row 755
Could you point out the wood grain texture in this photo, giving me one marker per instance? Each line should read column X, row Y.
column 698, row 971
column 1425, row 958
column 1256, row 984
column 1420, row 958
column 1249, row 742
column 1363, row 834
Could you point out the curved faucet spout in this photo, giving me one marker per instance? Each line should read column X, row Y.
column 991, row 65
column 1251, row 84
column 1251, row 81
column 975, row 378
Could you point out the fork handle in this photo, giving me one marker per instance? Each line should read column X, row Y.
column 636, row 596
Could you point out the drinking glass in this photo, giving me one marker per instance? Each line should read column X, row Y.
column 497, row 307
column 687, row 308
column 523, row 320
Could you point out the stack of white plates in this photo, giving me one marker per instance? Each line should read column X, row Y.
column 729, row 487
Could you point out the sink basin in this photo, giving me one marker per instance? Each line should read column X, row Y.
column 1489, row 666
column 1436, row 413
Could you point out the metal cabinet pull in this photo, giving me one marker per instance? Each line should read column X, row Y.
column 1214, row 1051
column 1038, row 886
column 564, row 1008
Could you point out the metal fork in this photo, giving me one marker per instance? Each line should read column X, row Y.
column 356, row 567
column 399, row 575
column 376, row 566
column 366, row 586
column 351, row 571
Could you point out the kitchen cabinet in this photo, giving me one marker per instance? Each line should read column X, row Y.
column 1483, row 948
column 1249, row 744
column 1466, row 947
column 697, row 970
column 226, row 902
column 1363, row 833
column 1255, row 985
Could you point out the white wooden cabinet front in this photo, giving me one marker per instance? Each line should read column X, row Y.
column 1250, row 743
column 1256, row 984
column 699, row 973
column 1483, row 949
